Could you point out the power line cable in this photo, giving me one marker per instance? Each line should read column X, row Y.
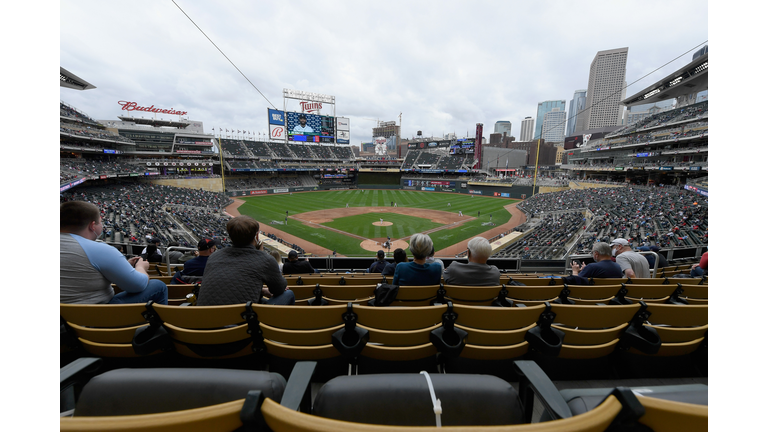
column 222, row 53
column 611, row 95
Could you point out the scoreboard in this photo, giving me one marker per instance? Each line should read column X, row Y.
column 311, row 128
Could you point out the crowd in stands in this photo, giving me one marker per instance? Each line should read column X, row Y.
column 670, row 116
column 89, row 132
column 67, row 111
column 79, row 167
column 664, row 217
column 136, row 212
column 293, row 246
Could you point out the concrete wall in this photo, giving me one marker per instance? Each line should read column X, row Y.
column 209, row 184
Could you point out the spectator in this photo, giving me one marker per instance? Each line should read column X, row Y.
column 700, row 269
column 174, row 255
column 238, row 274
column 400, row 256
column 152, row 255
column 276, row 255
column 88, row 269
column 652, row 259
column 152, row 241
column 194, row 269
column 632, row 264
column 418, row 272
column 432, row 260
column 476, row 271
column 662, row 258
column 379, row 264
column 294, row 266
column 603, row 267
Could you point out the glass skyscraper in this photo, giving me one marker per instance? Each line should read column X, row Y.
column 544, row 108
column 578, row 103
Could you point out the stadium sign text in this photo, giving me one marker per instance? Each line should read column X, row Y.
column 133, row 106
column 310, row 106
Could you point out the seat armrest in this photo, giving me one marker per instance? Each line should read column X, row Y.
column 533, row 380
column 297, row 387
column 72, row 377
column 83, row 365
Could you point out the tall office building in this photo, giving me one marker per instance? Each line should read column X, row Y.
column 578, row 103
column 526, row 129
column 544, row 108
column 502, row 126
column 554, row 126
column 606, row 89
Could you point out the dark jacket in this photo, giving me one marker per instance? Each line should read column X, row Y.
column 236, row 275
column 297, row 267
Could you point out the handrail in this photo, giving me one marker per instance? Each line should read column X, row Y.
column 168, row 257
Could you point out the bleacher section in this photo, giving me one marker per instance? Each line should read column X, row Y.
column 258, row 149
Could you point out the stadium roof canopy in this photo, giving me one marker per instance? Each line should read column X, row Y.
column 70, row 80
column 154, row 122
column 691, row 78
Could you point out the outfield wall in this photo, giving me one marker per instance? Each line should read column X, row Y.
column 465, row 187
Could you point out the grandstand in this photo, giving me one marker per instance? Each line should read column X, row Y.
column 629, row 352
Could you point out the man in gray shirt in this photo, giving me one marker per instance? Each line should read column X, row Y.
column 632, row 263
column 475, row 272
column 88, row 268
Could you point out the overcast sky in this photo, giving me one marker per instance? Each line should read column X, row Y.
column 445, row 65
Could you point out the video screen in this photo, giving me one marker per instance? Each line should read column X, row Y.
column 310, row 128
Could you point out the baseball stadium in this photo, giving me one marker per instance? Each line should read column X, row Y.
column 539, row 348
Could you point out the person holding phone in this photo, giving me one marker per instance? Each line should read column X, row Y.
column 603, row 267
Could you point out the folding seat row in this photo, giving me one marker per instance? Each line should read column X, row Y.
column 227, row 400
column 368, row 339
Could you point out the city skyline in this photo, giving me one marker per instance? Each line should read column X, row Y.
column 151, row 53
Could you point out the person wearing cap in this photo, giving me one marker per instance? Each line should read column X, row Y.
column 400, row 256
column 194, row 269
column 418, row 272
column 379, row 264
column 89, row 268
column 476, row 271
column 293, row 266
column 603, row 267
column 302, row 126
column 238, row 274
column 632, row 264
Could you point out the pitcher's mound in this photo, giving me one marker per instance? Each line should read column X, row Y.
column 385, row 223
column 374, row 246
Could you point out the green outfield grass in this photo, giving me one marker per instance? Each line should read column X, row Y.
column 267, row 208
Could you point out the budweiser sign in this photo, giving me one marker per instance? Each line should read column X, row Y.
column 133, row 106
column 310, row 106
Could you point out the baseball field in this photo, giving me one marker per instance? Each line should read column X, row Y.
column 356, row 222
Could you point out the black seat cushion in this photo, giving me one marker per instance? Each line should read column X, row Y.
column 404, row 400
column 149, row 391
